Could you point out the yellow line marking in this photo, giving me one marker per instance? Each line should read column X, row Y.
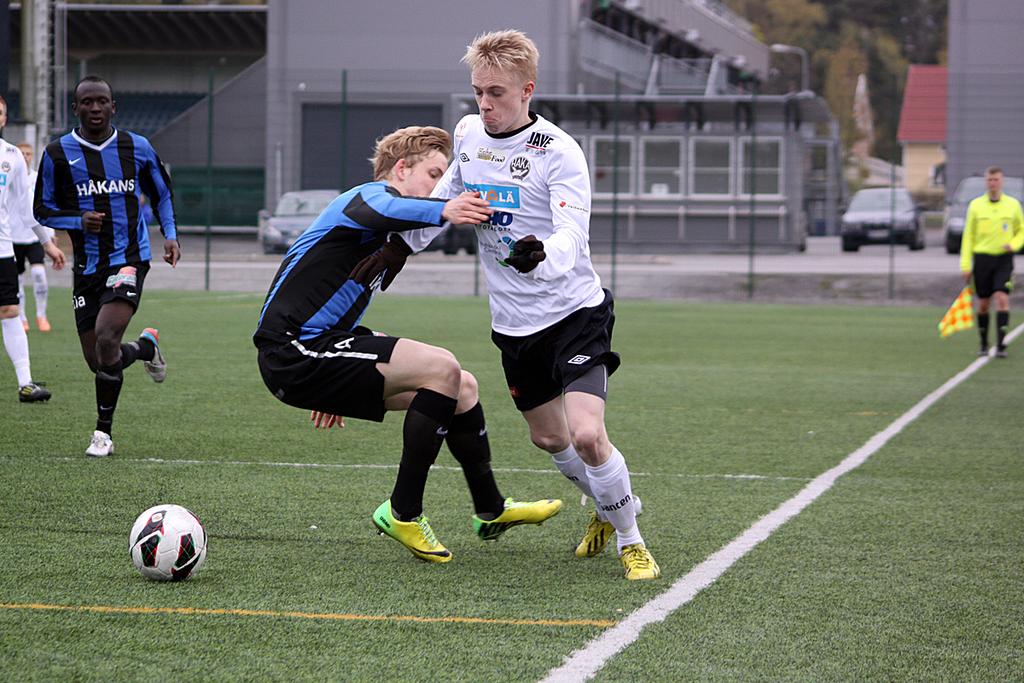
column 329, row 616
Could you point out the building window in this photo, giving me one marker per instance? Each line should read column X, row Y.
column 660, row 167
column 604, row 168
column 767, row 167
column 712, row 166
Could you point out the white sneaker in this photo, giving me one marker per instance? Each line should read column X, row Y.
column 156, row 368
column 101, row 445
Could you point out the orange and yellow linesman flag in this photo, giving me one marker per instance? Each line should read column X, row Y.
column 960, row 315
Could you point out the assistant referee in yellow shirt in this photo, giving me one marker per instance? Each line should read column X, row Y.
column 993, row 231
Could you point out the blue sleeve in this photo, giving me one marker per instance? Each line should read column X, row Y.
column 45, row 207
column 156, row 183
column 378, row 207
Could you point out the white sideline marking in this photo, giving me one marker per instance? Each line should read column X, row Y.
column 447, row 468
column 591, row 658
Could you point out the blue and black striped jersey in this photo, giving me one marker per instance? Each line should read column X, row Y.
column 312, row 292
column 76, row 176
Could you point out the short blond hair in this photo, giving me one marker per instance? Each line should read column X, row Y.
column 508, row 50
column 412, row 144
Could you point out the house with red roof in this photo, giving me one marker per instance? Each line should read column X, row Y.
column 922, row 131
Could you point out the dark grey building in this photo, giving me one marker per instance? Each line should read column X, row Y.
column 985, row 125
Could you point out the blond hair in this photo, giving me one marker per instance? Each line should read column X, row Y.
column 504, row 51
column 412, row 144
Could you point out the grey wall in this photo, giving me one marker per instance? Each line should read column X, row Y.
column 985, row 123
column 239, row 125
column 395, row 52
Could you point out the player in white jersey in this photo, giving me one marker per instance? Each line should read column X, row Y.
column 550, row 316
column 27, row 248
column 14, row 208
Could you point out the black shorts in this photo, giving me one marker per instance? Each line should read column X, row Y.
column 992, row 273
column 335, row 373
column 92, row 292
column 8, row 282
column 33, row 253
column 539, row 366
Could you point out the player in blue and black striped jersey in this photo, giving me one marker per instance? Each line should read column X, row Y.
column 90, row 184
column 314, row 354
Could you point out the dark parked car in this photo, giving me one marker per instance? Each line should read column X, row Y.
column 294, row 212
column 956, row 209
column 880, row 215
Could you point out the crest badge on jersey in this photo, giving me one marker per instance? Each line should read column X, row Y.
column 5, row 167
column 520, row 168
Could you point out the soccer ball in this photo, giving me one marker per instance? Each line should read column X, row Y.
column 167, row 543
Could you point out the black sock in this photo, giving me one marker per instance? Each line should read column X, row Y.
column 108, row 387
column 426, row 424
column 467, row 440
column 983, row 329
column 1002, row 323
column 136, row 350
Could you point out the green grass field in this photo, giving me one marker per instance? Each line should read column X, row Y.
column 909, row 568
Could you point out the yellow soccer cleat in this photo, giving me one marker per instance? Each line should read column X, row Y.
column 416, row 535
column 639, row 563
column 595, row 538
column 514, row 514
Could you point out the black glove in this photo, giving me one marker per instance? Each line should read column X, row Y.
column 389, row 259
column 526, row 254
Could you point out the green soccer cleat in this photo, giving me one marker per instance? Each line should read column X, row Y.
column 416, row 535
column 514, row 514
column 639, row 563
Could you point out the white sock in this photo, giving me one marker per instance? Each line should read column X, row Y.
column 41, row 289
column 21, row 297
column 16, row 343
column 614, row 495
column 572, row 466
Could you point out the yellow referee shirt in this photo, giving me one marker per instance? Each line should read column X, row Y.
column 989, row 226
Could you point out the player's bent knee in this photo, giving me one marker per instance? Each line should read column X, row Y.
column 8, row 312
column 588, row 439
column 469, row 390
column 552, row 443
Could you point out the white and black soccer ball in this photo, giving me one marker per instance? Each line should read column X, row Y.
column 167, row 543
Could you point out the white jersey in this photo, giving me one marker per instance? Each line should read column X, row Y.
column 15, row 198
column 20, row 232
column 538, row 183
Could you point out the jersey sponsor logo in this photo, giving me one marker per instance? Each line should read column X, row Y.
column 502, row 196
column 77, row 302
column 94, row 187
column 463, row 157
column 520, row 168
column 488, row 154
column 538, row 142
column 3, row 180
column 569, row 205
column 5, row 166
column 578, row 360
column 460, row 130
column 498, row 220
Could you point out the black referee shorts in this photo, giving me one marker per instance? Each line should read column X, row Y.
column 335, row 373
column 992, row 273
column 538, row 367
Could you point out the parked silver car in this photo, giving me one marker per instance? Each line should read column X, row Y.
column 956, row 208
column 293, row 214
column 881, row 215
